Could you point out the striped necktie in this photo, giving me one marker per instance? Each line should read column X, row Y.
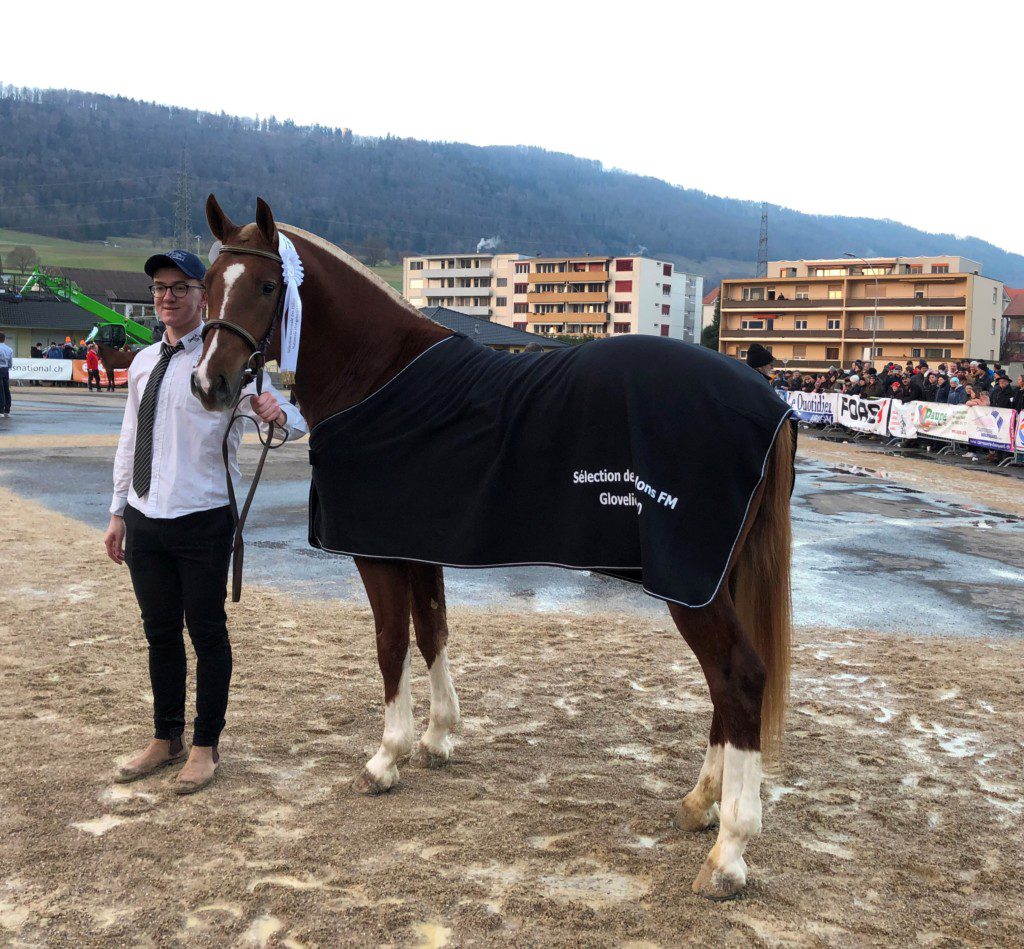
column 142, row 470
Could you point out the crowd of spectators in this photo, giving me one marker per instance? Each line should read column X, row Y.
column 961, row 382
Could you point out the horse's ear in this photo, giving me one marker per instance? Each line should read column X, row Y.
column 265, row 222
column 220, row 224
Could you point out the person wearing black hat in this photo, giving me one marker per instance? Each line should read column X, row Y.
column 171, row 523
column 761, row 359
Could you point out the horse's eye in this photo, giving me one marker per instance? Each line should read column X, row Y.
column 269, row 288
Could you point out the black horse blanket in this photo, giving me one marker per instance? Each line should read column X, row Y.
column 635, row 457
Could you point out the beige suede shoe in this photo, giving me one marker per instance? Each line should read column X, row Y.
column 126, row 774
column 184, row 786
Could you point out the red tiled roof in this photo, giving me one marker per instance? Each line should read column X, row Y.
column 712, row 296
column 1016, row 307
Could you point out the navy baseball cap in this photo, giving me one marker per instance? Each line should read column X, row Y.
column 188, row 264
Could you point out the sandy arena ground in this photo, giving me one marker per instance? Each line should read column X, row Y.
column 894, row 817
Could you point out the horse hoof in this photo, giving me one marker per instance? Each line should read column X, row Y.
column 366, row 783
column 428, row 758
column 690, row 820
column 714, row 883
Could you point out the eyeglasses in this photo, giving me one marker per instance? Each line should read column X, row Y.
column 178, row 290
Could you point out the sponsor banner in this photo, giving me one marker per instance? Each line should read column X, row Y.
column 819, row 408
column 1018, row 441
column 903, row 419
column 990, row 428
column 937, row 420
column 863, row 415
column 48, row 370
column 81, row 374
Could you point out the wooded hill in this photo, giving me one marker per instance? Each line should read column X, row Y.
column 86, row 166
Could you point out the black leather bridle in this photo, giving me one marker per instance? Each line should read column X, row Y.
column 254, row 369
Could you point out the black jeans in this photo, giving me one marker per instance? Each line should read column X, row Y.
column 179, row 569
column 95, row 374
column 5, row 390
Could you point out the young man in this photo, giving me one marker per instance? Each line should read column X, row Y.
column 92, row 367
column 170, row 521
column 6, row 364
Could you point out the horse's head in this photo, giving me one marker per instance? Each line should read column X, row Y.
column 243, row 286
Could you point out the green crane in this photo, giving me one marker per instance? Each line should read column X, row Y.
column 134, row 332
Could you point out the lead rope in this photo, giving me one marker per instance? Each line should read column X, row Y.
column 237, row 542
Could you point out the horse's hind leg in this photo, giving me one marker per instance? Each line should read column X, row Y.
column 736, row 678
column 430, row 621
column 699, row 809
column 387, row 586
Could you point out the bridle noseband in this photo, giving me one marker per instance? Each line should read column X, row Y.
column 258, row 356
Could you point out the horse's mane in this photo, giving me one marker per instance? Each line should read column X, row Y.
column 358, row 267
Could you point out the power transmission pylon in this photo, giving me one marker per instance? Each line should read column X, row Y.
column 183, row 234
column 762, row 244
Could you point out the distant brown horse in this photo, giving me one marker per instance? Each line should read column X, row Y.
column 114, row 359
column 358, row 334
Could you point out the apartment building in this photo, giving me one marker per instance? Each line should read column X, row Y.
column 564, row 296
column 813, row 314
column 474, row 284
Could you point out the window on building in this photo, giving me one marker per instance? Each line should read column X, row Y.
column 830, row 272
column 875, row 271
column 623, row 264
column 787, row 272
column 666, row 270
column 871, row 321
column 915, row 353
column 624, row 286
column 751, row 324
column 742, row 353
column 501, row 282
column 799, row 351
column 993, row 326
column 938, row 353
column 833, row 324
column 623, row 306
column 800, row 324
column 832, row 353
column 664, row 329
column 835, row 292
column 415, row 284
column 415, row 264
column 665, row 307
column 620, row 327
column 753, row 293
column 666, row 289
column 501, row 301
column 993, row 294
column 803, row 291
column 523, row 267
column 878, row 352
column 915, row 268
column 520, row 308
column 519, row 326
column 919, row 294
column 520, row 287
column 940, row 322
column 940, row 268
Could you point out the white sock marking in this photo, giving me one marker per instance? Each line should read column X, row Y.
column 740, row 812
column 398, row 731
column 444, row 708
column 707, row 792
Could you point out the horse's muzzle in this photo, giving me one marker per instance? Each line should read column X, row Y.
column 219, row 396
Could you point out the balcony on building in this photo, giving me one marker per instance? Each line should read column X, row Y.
column 567, row 276
column 455, row 272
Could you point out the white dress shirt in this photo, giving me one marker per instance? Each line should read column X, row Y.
column 188, row 469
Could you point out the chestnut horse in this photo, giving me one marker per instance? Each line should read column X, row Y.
column 357, row 334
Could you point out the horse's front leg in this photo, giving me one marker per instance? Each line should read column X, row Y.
column 387, row 586
column 430, row 621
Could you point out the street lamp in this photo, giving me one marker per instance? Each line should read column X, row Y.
column 874, row 321
column 199, row 237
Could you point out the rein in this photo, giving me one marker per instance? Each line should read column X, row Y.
column 254, row 369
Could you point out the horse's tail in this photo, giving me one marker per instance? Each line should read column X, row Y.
column 762, row 586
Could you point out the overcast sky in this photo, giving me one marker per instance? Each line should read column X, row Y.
column 902, row 110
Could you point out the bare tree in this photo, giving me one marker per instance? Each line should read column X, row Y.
column 23, row 258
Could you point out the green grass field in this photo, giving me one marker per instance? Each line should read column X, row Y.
column 130, row 253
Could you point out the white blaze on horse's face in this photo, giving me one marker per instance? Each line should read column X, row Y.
column 231, row 275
